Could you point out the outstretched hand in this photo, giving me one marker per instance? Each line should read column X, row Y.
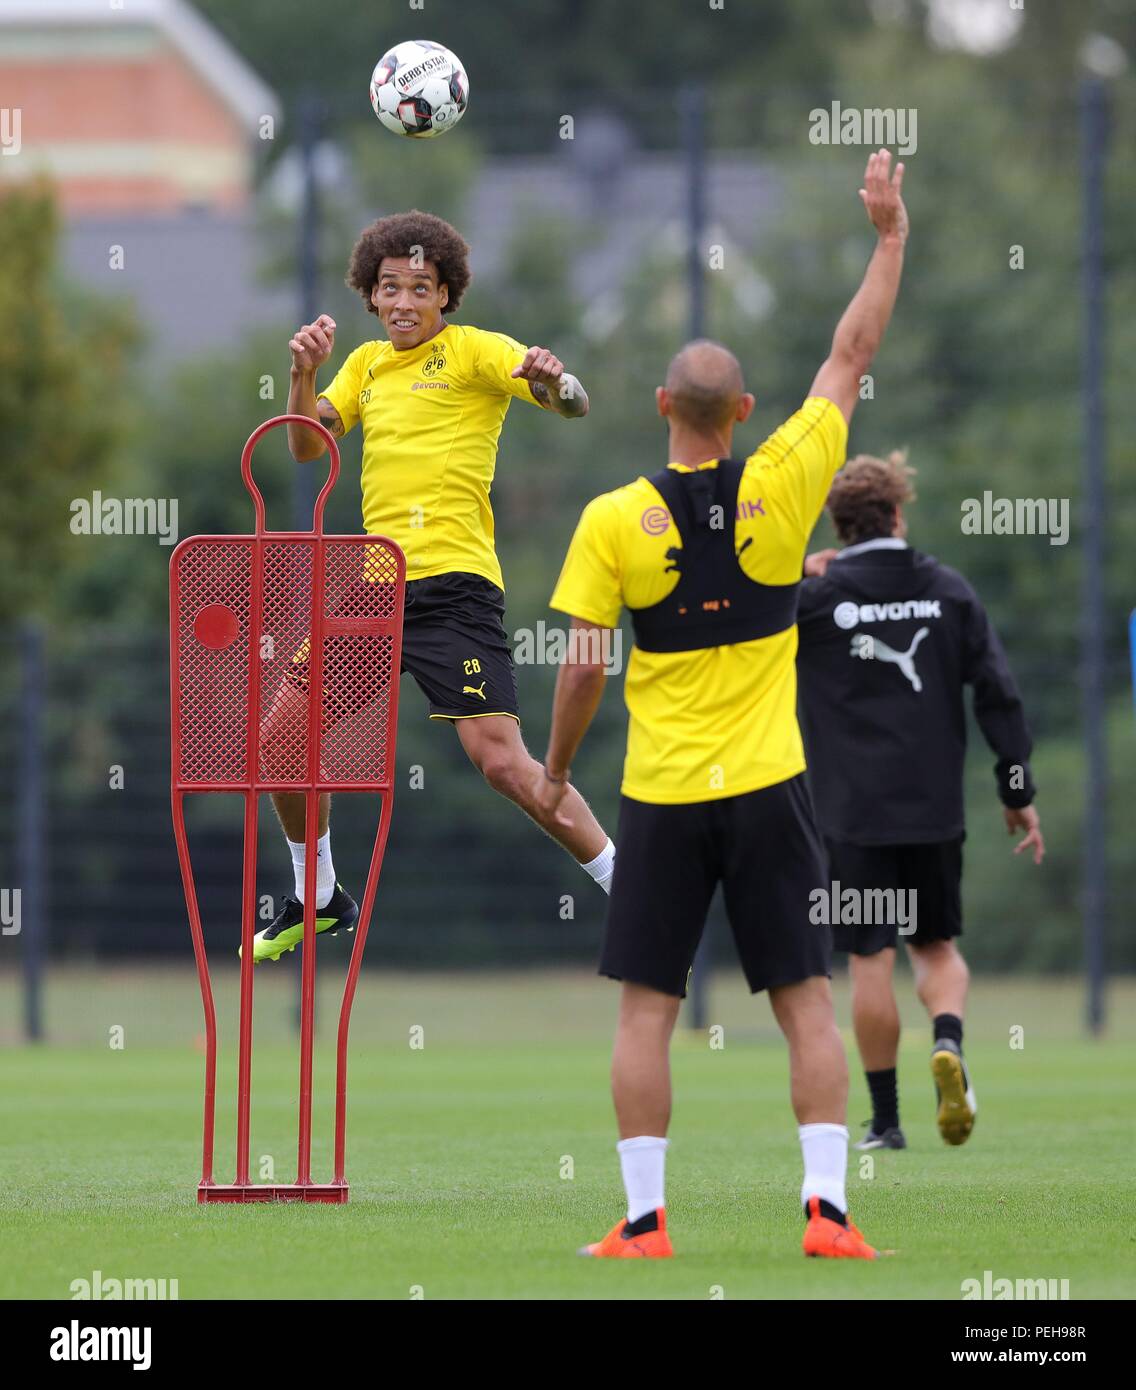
column 882, row 196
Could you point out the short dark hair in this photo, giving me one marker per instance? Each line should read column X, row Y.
column 402, row 234
column 865, row 494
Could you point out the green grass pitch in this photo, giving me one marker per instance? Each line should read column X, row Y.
column 479, row 1161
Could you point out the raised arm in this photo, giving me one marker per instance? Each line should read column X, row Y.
column 310, row 347
column 553, row 387
column 861, row 328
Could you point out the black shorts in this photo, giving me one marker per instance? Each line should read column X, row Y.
column 453, row 644
column 932, row 873
column 764, row 849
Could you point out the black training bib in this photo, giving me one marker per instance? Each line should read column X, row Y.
column 715, row 603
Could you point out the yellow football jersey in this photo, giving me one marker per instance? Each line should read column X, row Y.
column 717, row 721
column 431, row 419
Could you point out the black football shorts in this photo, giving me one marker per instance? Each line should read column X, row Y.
column 763, row 848
column 930, row 876
column 455, row 647
column 453, row 644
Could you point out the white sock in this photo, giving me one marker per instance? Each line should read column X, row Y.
column 825, row 1151
column 325, row 869
column 602, row 867
column 642, row 1160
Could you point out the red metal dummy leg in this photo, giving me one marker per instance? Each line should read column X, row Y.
column 248, row 884
column 308, row 989
column 356, row 962
column 244, row 1053
column 207, row 1004
column 311, row 837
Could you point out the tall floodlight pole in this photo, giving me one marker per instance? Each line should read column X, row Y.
column 306, row 475
column 31, row 835
column 694, row 127
column 1094, row 153
column 310, row 112
column 693, row 114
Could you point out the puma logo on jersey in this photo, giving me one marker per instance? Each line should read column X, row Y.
column 869, row 648
column 478, row 690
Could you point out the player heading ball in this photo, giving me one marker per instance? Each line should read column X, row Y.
column 431, row 397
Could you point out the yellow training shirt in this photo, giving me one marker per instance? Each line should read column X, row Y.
column 431, row 418
column 717, row 721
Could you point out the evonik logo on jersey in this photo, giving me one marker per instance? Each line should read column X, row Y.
column 848, row 615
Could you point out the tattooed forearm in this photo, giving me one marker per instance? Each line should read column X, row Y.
column 304, row 444
column 570, row 400
column 329, row 416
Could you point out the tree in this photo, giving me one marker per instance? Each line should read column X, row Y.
column 64, row 359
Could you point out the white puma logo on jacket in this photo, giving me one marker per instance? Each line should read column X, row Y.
column 869, row 648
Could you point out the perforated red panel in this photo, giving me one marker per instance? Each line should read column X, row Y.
column 361, row 601
column 220, row 639
column 285, row 652
column 211, row 698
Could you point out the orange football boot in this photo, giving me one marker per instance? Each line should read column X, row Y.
column 652, row 1245
column 823, row 1236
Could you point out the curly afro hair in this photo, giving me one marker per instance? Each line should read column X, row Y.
column 402, row 234
column 865, row 494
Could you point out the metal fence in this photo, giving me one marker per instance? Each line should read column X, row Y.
column 461, row 886
column 468, row 881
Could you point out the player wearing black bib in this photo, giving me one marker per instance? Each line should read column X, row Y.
column 706, row 554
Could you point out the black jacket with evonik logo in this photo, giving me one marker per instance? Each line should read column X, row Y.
column 888, row 639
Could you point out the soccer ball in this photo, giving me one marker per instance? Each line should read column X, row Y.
column 419, row 89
